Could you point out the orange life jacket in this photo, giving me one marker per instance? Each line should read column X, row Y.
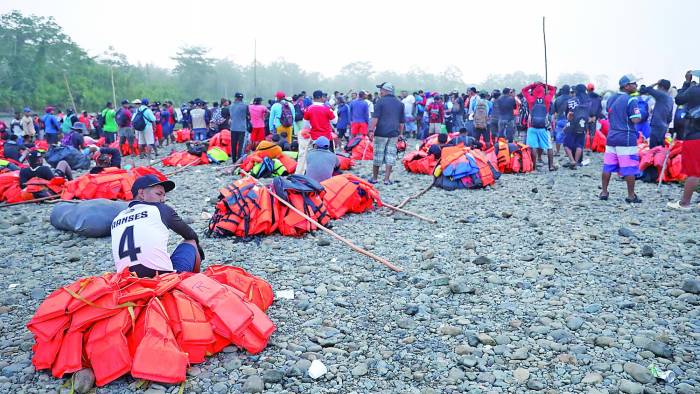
column 190, row 326
column 35, row 187
column 419, row 162
column 346, row 163
column 363, row 149
column 486, row 170
column 288, row 163
column 306, row 195
column 599, row 141
column 244, row 209
column 157, row 356
column 107, row 348
column 9, row 187
column 222, row 139
column 349, row 193
column 254, row 289
column 183, row 158
column 433, row 140
column 183, row 135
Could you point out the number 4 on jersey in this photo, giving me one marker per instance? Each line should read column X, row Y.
column 128, row 240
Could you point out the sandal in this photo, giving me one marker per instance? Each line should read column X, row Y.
column 677, row 206
column 635, row 200
column 603, row 197
column 388, row 182
column 372, row 180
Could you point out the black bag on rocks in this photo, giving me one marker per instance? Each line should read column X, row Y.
column 75, row 159
column 91, row 218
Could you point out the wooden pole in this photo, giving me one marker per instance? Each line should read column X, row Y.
column 327, row 230
column 183, row 167
column 70, row 94
column 420, row 193
column 397, row 209
column 114, row 92
column 53, row 197
column 544, row 37
column 227, row 167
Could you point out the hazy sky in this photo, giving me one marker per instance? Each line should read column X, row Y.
column 651, row 38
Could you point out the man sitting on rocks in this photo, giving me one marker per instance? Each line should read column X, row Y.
column 105, row 157
column 320, row 161
column 436, row 149
column 140, row 233
column 38, row 169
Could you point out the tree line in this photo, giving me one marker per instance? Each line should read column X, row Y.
column 39, row 64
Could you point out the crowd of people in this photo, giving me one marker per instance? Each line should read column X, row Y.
column 542, row 116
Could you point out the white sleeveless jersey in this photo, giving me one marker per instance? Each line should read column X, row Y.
column 140, row 236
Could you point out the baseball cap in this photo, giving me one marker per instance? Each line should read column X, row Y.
column 125, row 102
column 388, row 86
column 48, row 109
column 79, row 126
column 238, row 95
column 35, row 154
column 27, row 109
column 150, row 180
column 137, row 101
column 317, row 94
column 322, row 142
column 144, row 101
column 628, row 79
column 590, row 87
column 280, row 95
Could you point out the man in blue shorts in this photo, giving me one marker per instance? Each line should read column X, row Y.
column 140, row 233
column 539, row 98
column 621, row 153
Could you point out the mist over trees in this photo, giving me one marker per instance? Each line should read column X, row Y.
column 37, row 58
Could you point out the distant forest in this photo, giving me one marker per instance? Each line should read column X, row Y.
column 39, row 63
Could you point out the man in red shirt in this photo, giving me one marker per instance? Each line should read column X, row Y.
column 539, row 98
column 319, row 117
column 436, row 114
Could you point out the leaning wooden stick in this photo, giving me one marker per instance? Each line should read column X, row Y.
column 183, row 167
column 55, row 196
column 227, row 167
column 420, row 193
column 397, row 209
column 327, row 230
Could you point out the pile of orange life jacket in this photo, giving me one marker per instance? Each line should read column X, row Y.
column 349, row 193
column 178, row 159
column 419, row 162
column 152, row 328
column 112, row 183
column 222, row 139
column 360, row 148
column 655, row 157
column 511, row 158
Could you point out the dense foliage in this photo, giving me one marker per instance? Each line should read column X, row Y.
column 37, row 58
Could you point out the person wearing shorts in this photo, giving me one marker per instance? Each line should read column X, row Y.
column 140, row 233
column 690, row 155
column 621, row 153
column 386, row 127
column 145, row 136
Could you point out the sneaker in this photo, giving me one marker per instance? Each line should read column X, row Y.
column 677, row 206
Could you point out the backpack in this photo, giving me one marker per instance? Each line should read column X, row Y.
column 581, row 114
column 286, row 119
column 306, row 195
column 122, row 119
column 298, row 113
column 139, row 122
column 100, row 119
column 538, row 115
column 244, row 209
column 481, row 114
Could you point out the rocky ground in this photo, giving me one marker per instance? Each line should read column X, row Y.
column 534, row 285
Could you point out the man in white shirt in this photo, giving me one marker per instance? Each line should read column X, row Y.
column 409, row 105
column 199, row 121
column 140, row 233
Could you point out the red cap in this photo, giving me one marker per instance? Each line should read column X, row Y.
column 590, row 87
column 280, row 95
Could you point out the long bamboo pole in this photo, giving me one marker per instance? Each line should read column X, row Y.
column 327, row 230
column 53, row 197
column 183, row 167
column 407, row 212
column 70, row 94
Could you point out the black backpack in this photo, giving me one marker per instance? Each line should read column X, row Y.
column 538, row 115
column 581, row 114
column 298, row 113
column 139, row 122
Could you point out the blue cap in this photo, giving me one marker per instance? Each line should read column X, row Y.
column 79, row 126
column 150, row 180
column 27, row 109
column 322, row 142
column 144, row 101
column 627, row 79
